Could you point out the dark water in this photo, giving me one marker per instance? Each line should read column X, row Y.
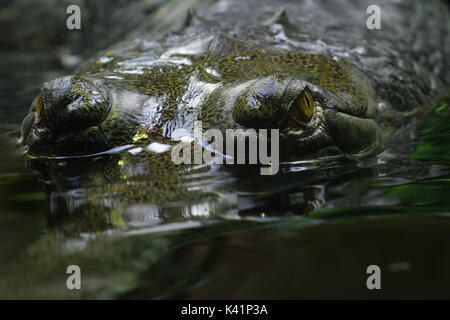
column 310, row 232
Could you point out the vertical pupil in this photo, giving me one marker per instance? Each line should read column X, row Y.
column 308, row 102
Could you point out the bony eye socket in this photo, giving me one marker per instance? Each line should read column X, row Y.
column 302, row 109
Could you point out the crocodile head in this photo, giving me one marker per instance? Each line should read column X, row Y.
column 317, row 103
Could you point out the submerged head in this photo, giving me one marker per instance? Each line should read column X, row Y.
column 316, row 103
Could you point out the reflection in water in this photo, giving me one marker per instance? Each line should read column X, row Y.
column 124, row 191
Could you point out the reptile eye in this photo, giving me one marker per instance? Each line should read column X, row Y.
column 37, row 104
column 302, row 109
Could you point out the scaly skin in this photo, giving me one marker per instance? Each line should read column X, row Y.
column 230, row 72
column 241, row 86
column 240, row 67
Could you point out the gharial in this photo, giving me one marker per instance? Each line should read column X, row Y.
column 311, row 69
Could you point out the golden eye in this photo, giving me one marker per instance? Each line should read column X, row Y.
column 38, row 105
column 303, row 108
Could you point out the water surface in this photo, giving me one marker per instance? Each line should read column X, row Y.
column 309, row 232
